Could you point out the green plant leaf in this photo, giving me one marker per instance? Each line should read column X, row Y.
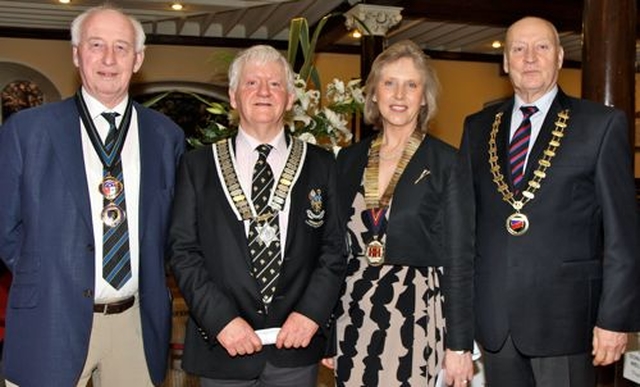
column 156, row 99
column 305, row 71
column 294, row 38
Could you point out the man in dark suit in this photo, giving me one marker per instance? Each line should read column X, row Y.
column 85, row 206
column 256, row 244
column 556, row 266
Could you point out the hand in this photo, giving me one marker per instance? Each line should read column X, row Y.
column 327, row 362
column 458, row 368
column 296, row 332
column 239, row 338
column 608, row 346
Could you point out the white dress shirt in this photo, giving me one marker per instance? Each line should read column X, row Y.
column 246, row 157
column 130, row 155
column 543, row 104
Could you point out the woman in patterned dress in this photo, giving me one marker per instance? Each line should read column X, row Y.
column 409, row 227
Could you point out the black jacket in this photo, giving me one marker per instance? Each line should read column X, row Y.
column 430, row 223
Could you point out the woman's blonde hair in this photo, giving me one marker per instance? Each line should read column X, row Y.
column 399, row 50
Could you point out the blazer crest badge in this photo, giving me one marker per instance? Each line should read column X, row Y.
column 315, row 213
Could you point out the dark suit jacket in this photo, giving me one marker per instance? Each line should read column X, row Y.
column 46, row 240
column 578, row 264
column 211, row 261
column 429, row 223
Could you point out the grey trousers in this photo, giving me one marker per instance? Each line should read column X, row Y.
column 508, row 368
column 272, row 377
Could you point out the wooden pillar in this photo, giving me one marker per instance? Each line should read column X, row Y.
column 609, row 55
column 373, row 21
column 371, row 46
column 608, row 76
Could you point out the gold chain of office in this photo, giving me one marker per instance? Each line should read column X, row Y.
column 543, row 164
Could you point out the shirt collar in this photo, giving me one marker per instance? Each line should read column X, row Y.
column 279, row 142
column 543, row 103
column 96, row 108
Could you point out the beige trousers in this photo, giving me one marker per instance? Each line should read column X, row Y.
column 116, row 355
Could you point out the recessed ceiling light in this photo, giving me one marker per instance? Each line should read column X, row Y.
column 496, row 44
column 177, row 6
column 356, row 34
column 64, row 1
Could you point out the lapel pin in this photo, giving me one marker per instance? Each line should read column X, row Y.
column 425, row 172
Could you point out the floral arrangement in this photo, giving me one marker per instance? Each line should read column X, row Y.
column 326, row 125
column 318, row 120
column 310, row 120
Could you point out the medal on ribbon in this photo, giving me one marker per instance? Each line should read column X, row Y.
column 375, row 221
column 112, row 215
column 110, row 187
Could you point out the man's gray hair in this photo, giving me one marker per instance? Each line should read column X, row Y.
column 259, row 54
column 78, row 22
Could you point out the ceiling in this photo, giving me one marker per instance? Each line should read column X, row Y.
column 457, row 29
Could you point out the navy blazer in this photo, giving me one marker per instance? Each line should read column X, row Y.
column 430, row 222
column 578, row 264
column 46, row 240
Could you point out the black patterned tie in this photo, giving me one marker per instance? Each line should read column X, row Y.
column 519, row 145
column 116, row 262
column 264, row 232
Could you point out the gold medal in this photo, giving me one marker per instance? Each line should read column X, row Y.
column 517, row 224
column 110, row 187
column 112, row 215
column 375, row 253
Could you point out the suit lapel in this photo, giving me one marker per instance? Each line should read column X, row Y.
column 297, row 200
column 150, row 147
column 417, row 169
column 67, row 145
column 299, row 196
column 545, row 135
column 351, row 168
column 502, row 140
column 239, row 232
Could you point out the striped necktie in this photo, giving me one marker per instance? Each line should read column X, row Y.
column 116, row 262
column 264, row 234
column 519, row 146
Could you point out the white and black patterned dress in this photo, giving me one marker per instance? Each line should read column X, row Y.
column 390, row 324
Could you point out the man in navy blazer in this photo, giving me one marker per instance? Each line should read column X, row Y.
column 65, row 322
column 556, row 263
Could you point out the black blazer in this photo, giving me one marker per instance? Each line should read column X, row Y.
column 211, row 261
column 428, row 223
column 578, row 264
